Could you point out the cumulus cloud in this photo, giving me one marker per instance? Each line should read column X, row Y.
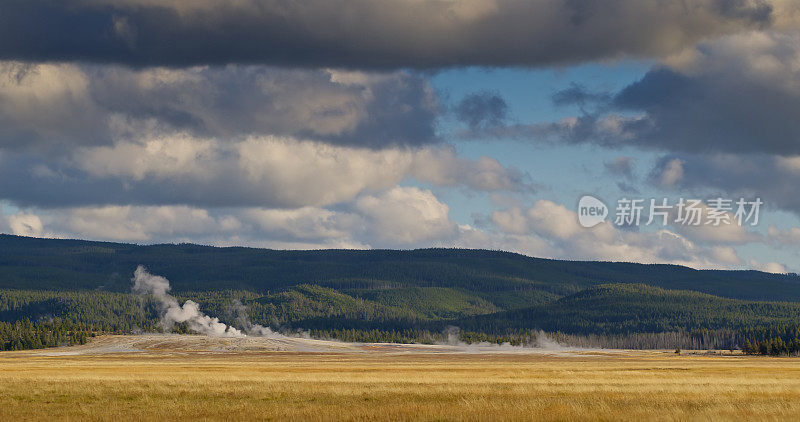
column 76, row 135
column 401, row 217
column 24, row 224
column 736, row 94
column 266, row 171
column 142, row 224
column 736, row 176
column 46, row 105
column 406, row 215
column 287, row 124
column 443, row 167
column 551, row 230
column 306, row 224
column 364, row 33
column 768, row 267
column 397, row 217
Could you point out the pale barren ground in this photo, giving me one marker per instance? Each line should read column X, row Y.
column 183, row 377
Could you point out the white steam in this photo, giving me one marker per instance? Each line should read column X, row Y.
column 542, row 342
column 174, row 313
column 251, row 329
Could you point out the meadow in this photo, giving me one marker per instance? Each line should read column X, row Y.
column 170, row 384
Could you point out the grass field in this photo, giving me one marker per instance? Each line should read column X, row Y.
column 184, row 384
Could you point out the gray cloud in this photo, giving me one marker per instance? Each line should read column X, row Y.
column 579, row 95
column 620, row 166
column 712, row 112
column 482, row 110
column 55, row 104
column 774, row 179
column 268, row 171
column 363, row 33
column 737, row 94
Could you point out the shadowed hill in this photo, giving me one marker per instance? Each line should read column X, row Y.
column 499, row 277
column 637, row 308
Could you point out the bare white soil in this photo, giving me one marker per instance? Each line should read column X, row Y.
column 183, row 343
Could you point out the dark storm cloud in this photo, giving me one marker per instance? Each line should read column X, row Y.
column 363, row 33
column 712, row 113
column 482, row 110
column 739, row 95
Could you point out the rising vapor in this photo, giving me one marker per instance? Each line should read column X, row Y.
column 173, row 313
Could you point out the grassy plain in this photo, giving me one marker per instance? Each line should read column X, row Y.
column 247, row 385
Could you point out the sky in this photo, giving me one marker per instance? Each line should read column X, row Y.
column 405, row 124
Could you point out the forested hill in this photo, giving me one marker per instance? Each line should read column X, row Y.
column 500, row 278
column 53, row 264
column 610, row 309
column 61, row 291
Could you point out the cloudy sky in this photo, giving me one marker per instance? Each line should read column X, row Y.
column 402, row 123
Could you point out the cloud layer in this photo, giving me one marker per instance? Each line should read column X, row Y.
column 737, row 94
column 49, row 105
column 315, row 123
column 176, row 168
column 402, row 217
column 365, row 33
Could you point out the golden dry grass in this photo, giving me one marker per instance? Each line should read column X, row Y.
column 373, row 386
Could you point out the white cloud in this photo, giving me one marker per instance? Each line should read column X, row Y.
column 267, row 171
column 443, row 167
column 512, row 220
column 406, row 215
column 24, row 224
column 725, row 254
column 310, row 173
column 551, row 230
column 141, row 224
column 768, row 267
column 403, row 217
column 160, row 156
column 304, row 224
column 46, row 105
column 400, row 216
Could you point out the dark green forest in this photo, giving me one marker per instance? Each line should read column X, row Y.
column 56, row 292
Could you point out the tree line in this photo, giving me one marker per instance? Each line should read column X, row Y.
column 26, row 334
column 607, row 316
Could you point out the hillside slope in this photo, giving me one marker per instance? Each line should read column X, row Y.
column 506, row 280
column 638, row 308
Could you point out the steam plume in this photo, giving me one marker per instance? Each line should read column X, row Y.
column 251, row 329
column 542, row 341
column 172, row 312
